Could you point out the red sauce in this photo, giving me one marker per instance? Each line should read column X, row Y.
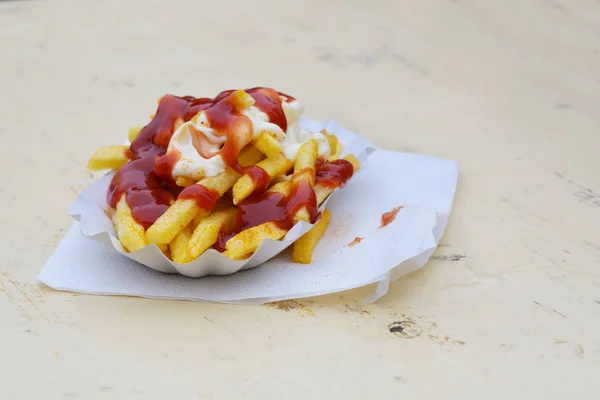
column 222, row 239
column 319, row 163
column 146, row 180
column 204, row 197
column 259, row 176
column 267, row 100
column 148, row 194
column 301, row 195
column 335, row 174
column 356, row 241
column 163, row 165
column 255, row 210
column 389, row 217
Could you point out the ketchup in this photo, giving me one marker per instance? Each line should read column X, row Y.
column 334, row 174
column 389, row 217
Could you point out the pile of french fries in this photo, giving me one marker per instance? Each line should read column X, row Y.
column 185, row 231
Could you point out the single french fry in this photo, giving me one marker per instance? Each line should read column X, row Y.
column 267, row 144
column 130, row 232
column 273, row 166
column 333, row 144
column 183, row 211
column 173, row 221
column 108, row 157
column 304, row 172
column 178, row 246
column 247, row 241
column 250, row 156
column 322, row 192
column 304, row 247
column 184, row 181
column 207, row 231
column 307, row 156
column 134, row 133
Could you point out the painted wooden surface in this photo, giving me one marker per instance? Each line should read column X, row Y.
column 507, row 308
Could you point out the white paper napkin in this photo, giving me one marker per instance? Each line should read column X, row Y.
column 423, row 186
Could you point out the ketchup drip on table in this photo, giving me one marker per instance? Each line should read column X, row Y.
column 280, row 209
column 146, row 180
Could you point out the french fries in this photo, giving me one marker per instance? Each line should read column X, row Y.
column 307, row 157
column 183, row 211
column 187, row 215
column 134, row 133
column 247, row 241
column 131, row 234
column 268, row 145
column 207, row 231
column 303, row 247
column 335, row 145
column 108, row 157
column 304, row 172
column 273, row 166
column 179, row 246
column 184, row 181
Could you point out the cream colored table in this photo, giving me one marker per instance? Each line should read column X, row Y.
column 509, row 306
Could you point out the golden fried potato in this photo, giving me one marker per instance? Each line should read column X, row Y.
column 207, row 231
column 108, row 157
column 184, row 181
column 267, row 144
column 273, row 166
column 304, row 171
column 281, row 187
column 183, row 211
column 307, row 156
column 130, row 232
column 303, row 247
column 165, row 249
column 247, row 241
column 178, row 246
column 173, row 221
column 338, row 151
column 333, row 145
column 134, row 133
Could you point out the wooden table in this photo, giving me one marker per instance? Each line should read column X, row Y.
column 509, row 305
